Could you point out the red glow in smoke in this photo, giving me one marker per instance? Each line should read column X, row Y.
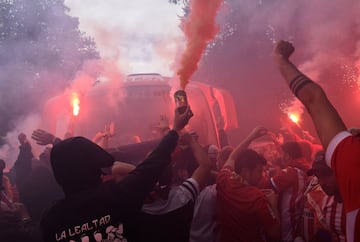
column 199, row 28
column 75, row 103
column 294, row 117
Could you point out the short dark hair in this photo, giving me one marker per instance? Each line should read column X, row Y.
column 319, row 167
column 249, row 159
column 293, row 149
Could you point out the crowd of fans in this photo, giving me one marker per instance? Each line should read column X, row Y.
column 290, row 190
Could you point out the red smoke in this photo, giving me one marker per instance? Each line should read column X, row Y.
column 199, row 28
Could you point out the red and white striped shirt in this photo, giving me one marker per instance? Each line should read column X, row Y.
column 290, row 183
column 329, row 214
column 343, row 156
column 309, row 227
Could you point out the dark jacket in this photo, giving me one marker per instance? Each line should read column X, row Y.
column 100, row 212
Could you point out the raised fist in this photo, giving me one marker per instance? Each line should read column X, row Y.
column 283, row 49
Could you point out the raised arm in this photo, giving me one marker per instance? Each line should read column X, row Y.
column 138, row 183
column 201, row 173
column 326, row 119
column 256, row 133
column 44, row 138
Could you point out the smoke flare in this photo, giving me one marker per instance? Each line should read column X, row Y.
column 200, row 28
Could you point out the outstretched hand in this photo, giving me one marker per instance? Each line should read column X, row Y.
column 42, row 137
column 258, row 132
column 182, row 119
column 283, row 49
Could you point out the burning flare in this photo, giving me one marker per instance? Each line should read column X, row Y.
column 75, row 103
column 294, row 117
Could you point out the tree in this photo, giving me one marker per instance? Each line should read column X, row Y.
column 41, row 49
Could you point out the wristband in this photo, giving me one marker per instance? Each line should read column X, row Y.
column 298, row 83
column 301, row 85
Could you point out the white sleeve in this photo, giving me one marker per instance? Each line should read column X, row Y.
column 333, row 144
column 192, row 187
column 350, row 225
column 178, row 197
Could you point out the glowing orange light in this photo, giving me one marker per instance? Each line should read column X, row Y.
column 294, row 117
column 75, row 103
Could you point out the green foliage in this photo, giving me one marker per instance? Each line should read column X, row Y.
column 185, row 6
column 41, row 49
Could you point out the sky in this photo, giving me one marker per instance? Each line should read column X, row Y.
column 139, row 35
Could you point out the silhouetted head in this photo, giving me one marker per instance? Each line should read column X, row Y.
column 325, row 175
column 291, row 151
column 77, row 163
column 250, row 165
column 22, row 138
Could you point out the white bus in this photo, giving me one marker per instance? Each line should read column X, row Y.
column 131, row 113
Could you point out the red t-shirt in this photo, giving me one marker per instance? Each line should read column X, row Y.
column 243, row 210
column 343, row 156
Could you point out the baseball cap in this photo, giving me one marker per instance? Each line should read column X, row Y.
column 77, row 163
